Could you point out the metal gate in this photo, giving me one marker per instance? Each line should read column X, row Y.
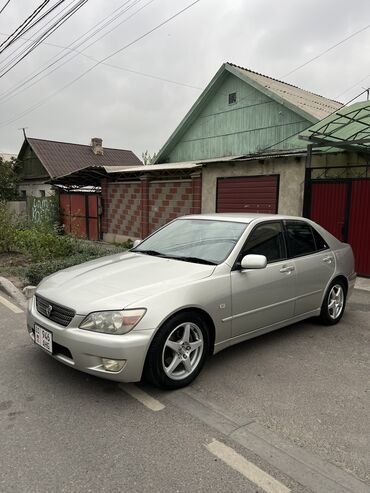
column 248, row 194
column 81, row 215
column 342, row 206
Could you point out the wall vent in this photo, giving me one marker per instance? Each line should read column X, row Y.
column 232, row 98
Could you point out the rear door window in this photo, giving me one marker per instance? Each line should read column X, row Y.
column 319, row 240
column 300, row 238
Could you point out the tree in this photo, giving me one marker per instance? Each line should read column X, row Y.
column 147, row 158
column 9, row 179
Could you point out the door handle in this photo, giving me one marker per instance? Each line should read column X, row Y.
column 288, row 268
column 328, row 259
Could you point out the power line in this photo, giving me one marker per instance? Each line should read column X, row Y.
column 26, row 40
column 6, row 65
column 147, row 33
column 118, row 67
column 353, row 86
column 48, row 33
column 33, row 23
column 6, row 3
column 24, row 23
column 66, row 49
column 327, row 50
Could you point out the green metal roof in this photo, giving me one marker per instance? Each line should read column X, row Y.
column 347, row 128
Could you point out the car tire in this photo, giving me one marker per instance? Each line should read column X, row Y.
column 178, row 351
column 334, row 303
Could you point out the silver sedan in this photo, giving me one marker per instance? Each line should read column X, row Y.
column 196, row 286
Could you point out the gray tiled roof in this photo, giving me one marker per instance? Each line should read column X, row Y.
column 313, row 104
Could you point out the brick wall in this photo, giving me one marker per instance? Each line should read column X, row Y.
column 168, row 200
column 122, row 208
column 135, row 209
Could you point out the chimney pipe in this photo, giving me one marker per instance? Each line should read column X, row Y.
column 97, row 146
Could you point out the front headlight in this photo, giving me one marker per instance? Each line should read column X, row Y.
column 114, row 322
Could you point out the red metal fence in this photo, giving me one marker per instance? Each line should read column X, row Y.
column 343, row 208
column 80, row 214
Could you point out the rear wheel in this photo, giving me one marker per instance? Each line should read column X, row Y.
column 334, row 303
column 178, row 351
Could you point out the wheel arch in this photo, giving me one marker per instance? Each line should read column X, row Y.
column 340, row 277
column 149, row 373
column 206, row 317
column 336, row 277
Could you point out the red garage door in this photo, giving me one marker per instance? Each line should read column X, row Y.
column 248, row 194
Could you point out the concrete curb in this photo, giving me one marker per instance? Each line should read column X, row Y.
column 362, row 283
column 9, row 288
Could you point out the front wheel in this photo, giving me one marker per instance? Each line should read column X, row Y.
column 334, row 303
column 178, row 351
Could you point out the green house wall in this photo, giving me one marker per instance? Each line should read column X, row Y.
column 31, row 166
column 255, row 122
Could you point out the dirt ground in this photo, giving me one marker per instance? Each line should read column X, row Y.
column 13, row 266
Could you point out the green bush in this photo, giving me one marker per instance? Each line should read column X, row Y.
column 8, row 229
column 36, row 272
column 92, row 249
column 42, row 244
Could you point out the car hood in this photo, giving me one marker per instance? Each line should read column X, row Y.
column 114, row 282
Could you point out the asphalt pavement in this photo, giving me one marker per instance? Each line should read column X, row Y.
column 286, row 412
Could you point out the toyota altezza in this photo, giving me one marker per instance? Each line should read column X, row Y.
column 194, row 287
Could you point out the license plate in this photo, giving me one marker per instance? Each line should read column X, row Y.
column 44, row 338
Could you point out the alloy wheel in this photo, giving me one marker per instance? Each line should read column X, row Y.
column 182, row 351
column 335, row 301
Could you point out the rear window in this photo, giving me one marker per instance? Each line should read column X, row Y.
column 300, row 238
column 319, row 240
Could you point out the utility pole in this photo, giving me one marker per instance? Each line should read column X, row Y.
column 367, row 89
column 24, row 131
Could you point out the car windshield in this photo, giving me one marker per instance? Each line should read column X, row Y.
column 194, row 240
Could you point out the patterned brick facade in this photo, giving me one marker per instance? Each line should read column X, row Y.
column 122, row 209
column 168, row 200
column 135, row 209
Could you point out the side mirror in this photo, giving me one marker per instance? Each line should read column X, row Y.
column 253, row 262
column 136, row 243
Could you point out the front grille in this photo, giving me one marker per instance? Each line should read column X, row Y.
column 59, row 314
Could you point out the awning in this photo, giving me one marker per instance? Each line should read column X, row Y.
column 347, row 128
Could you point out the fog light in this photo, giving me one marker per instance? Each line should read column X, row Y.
column 113, row 365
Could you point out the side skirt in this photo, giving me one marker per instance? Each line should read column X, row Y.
column 264, row 330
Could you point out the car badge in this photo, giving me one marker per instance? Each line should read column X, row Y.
column 49, row 310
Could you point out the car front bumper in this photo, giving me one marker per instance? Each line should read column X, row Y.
column 83, row 350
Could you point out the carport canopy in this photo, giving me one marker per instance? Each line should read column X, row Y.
column 348, row 128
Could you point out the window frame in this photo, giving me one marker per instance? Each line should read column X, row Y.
column 237, row 265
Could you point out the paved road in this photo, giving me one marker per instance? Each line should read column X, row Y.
column 285, row 412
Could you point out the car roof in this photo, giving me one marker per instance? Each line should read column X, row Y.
column 240, row 217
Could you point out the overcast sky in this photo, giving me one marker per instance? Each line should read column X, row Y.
column 139, row 112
